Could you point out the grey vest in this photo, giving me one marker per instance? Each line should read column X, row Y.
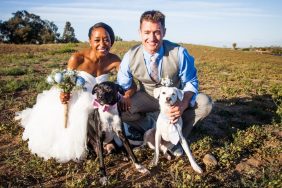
column 170, row 67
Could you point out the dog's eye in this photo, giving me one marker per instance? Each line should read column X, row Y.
column 163, row 92
column 173, row 94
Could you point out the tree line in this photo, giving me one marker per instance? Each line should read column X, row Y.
column 28, row 28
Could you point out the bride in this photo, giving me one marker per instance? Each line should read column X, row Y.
column 43, row 123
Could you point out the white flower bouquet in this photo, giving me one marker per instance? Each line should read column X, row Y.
column 66, row 81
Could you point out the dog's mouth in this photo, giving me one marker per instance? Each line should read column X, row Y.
column 109, row 99
column 102, row 103
column 105, row 106
column 169, row 101
column 107, row 102
column 168, row 104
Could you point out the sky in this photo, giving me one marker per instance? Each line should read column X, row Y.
column 217, row 23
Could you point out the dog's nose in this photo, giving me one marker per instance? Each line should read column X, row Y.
column 168, row 99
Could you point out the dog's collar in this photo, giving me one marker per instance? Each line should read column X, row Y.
column 105, row 107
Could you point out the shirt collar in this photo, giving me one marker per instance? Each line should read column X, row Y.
column 158, row 55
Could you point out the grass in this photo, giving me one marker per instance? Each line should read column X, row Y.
column 243, row 131
column 13, row 71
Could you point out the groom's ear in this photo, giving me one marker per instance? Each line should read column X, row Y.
column 95, row 89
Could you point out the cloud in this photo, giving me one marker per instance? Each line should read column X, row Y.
column 183, row 18
column 85, row 14
column 126, row 10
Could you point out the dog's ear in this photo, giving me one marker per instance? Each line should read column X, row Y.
column 157, row 92
column 180, row 94
column 95, row 89
column 120, row 89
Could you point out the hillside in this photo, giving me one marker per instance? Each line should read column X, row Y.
column 243, row 132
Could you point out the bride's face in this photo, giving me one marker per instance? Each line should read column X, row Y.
column 100, row 41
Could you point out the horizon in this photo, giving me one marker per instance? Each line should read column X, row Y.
column 209, row 23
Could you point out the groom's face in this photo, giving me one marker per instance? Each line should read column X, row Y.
column 152, row 34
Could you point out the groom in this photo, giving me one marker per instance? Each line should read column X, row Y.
column 147, row 63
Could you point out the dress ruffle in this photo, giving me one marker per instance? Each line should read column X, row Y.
column 44, row 123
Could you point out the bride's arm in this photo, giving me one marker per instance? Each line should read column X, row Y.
column 75, row 60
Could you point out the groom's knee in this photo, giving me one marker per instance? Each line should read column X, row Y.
column 204, row 105
column 129, row 117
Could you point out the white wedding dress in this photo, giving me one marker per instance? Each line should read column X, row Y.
column 44, row 123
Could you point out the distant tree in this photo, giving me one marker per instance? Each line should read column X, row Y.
column 68, row 35
column 1, row 35
column 27, row 28
column 48, row 34
column 117, row 38
column 234, row 45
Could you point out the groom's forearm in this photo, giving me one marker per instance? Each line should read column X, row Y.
column 131, row 91
column 186, row 100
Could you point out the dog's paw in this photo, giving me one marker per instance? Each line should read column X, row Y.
column 167, row 156
column 125, row 159
column 197, row 168
column 141, row 169
column 154, row 162
column 109, row 148
column 103, row 180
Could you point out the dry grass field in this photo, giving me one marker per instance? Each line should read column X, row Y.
column 243, row 132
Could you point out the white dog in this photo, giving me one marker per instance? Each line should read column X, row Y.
column 165, row 130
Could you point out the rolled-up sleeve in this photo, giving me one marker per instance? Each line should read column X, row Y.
column 188, row 73
column 124, row 76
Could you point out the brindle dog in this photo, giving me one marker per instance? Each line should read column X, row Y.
column 105, row 125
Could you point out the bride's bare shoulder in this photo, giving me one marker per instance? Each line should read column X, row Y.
column 77, row 59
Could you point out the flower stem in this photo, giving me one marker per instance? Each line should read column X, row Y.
column 66, row 111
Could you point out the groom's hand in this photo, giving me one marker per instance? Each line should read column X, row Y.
column 175, row 112
column 179, row 107
column 125, row 103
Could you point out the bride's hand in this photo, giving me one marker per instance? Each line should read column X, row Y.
column 64, row 97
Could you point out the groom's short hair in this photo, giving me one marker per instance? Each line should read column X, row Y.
column 153, row 16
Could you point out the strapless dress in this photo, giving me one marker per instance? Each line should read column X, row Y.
column 44, row 123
